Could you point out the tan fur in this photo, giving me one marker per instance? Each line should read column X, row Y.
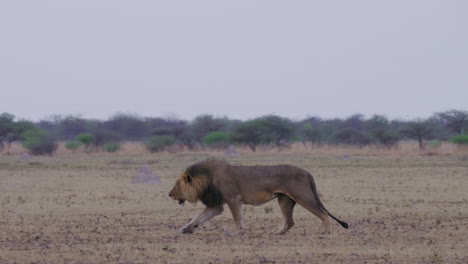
column 215, row 182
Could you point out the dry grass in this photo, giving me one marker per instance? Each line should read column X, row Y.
column 82, row 208
column 405, row 148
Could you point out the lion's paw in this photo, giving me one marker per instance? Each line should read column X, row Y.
column 188, row 229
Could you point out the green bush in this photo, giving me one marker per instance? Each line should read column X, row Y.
column 111, row 147
column 217, row 138
column 159, row 143
column 73, row 145
column 85, row 139
column 460, row 139
column 38, row 142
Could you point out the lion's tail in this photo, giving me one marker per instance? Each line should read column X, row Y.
column 314, row 189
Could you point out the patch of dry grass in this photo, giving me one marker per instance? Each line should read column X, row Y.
column 405, row 148
column 82, row 208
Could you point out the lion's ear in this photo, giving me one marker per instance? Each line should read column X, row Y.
column 188, row 178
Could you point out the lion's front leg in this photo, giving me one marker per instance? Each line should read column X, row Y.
column 204, row 216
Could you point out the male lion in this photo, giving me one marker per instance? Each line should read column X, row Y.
column 216, row 182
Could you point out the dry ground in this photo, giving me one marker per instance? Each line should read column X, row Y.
column 82, row 208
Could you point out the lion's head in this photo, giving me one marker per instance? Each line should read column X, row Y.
column 189, row 188
column 194, row 184
column 176, row 192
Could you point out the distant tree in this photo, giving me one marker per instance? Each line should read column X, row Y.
column 309, row 130
column 381, row 131
column 6, row 127
column 218, row 139
column 51, row 124
column 48, row 126
column 161, row 126
column 179, row 129
column 351, row 136
column 275, row 129
column 455, row 120
column 102, row 135
column 329, row 128
column 159, row 143
column 439, row 129
column 420, row 130
column 71, row 126
column 18, row 128
column 355, row 121
column 250, row 133
column 387, row 138
column 10, row 131
column 311, row 133
column 131, row 127
column 204, row 124
column 377, row 122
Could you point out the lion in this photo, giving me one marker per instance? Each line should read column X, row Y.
column 215, row 182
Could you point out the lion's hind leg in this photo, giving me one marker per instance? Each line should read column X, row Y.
column 313, row 206
column 235, row 206
column 286, row 205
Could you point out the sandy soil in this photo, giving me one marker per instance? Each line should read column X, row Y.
column 83, row 208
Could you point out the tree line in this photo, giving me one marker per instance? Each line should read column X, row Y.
column 219, row 132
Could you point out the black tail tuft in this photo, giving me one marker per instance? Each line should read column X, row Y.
column 343, row 224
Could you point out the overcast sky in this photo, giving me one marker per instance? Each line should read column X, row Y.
column 241, row 59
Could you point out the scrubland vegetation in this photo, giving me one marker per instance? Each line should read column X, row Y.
column 206, row 131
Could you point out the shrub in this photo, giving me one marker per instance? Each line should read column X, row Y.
column 73, row 145
column 159, row 143
column 38, row 142
column 460, row 139
column 111, row 147
column 216, row 138
column 85, row 139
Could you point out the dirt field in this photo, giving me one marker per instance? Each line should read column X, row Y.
column 83, row 208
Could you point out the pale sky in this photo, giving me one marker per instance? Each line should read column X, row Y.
column 240, row 59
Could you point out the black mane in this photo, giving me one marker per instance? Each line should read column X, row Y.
column 211, row 196
column 198, row 169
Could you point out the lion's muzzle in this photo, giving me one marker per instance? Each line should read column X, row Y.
column 180, row 201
